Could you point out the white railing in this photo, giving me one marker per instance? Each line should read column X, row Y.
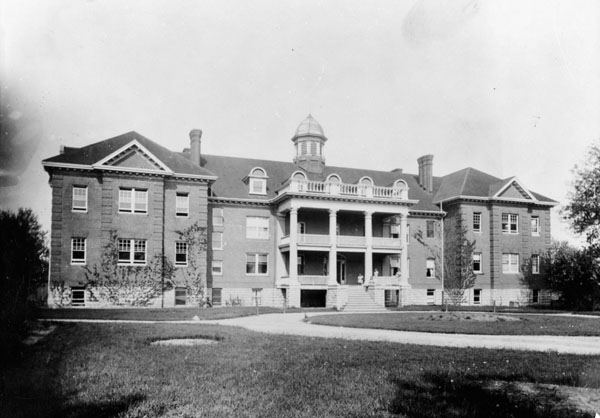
column 312, row 280
column 344, row 189
column 346, row 240
column 313, row 239
column 386, row 242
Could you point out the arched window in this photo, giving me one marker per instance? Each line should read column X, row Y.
column 334, row 178
column 298, row 175
column 258, row 181
column 366, row 181
column 400, row 189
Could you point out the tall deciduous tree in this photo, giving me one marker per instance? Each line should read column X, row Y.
column 23, row 267
column 583, row 210
column 133, row 285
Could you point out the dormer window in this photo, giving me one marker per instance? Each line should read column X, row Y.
column 258, row 181
column 366, row 181
column 334, row 178
column 400, row 189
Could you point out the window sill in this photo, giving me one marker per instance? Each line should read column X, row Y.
column 78, row 263
column 79, row 211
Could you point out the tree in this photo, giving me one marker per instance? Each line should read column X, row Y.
column 583, row 210
column 573, row 273
column 23, row 267
column 133, row 285
column 194, row 276
column 458, row 274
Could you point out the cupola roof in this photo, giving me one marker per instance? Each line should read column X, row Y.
column 309, row 127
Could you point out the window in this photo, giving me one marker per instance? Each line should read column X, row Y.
column 303, row 148
column 430, row 272
column 77, row 296
column 257, row 227
column 407, row 234
column 477, row 222
column 132, row 251
column 313, row 148
column 258, row 181
column 256, row 263
column 535, row 295
column 217, row 217
column 181, row 254
column 182, row 204
column 430, row 296
column 535, row 226
column 476, row 296
column 79, row 199
column 510, row 263
column 217, row 267
column 217, row 240
column 430, row 229
column 180, row 296
column 394, row 231
column 535, row 264
column 300, row 264
column 133, row 201
column 510, row 223
column 77, row 250
column 477, row 263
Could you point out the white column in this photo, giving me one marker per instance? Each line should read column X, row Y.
column 280, row 265
column 369, row 242
column 404, row 245
column 293, row 266
column 333, row 247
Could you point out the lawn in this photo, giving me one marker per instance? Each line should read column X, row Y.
column 112, row 370
column 150, row 314
column 467, row 323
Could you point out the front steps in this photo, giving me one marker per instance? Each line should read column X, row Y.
column 359, row 301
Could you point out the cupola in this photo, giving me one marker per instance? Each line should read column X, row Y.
column 308, row 142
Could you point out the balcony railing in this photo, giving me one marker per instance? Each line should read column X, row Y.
column 344, row 189
column 386, row 242
column 312, row 280
column 342, row 241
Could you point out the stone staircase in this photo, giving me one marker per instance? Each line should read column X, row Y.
column 360, row 301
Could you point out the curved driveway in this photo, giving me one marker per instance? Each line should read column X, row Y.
column 293, row 324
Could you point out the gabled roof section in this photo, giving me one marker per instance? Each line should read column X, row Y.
column 511, row 189
column 465, row 182
column 133, row 156
column 117, row 152
column 472, row 183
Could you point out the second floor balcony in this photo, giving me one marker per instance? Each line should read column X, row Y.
column 365, row 189
column 317, row 240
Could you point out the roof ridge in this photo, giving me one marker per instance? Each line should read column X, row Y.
column 462, row 187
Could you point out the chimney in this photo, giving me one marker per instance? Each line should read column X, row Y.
column 195, row 155
column 62, row 149
column 426, row 172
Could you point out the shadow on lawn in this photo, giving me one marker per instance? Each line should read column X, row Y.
column 435, row 395
column 106, row 409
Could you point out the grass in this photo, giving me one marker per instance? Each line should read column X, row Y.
column 150, row 314
column 111, row 370
column 434, row 322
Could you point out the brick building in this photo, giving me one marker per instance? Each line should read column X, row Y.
column 300, row 233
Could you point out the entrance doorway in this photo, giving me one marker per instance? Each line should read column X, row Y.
column 341, row 269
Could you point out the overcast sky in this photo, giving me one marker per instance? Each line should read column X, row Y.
column 508, row 87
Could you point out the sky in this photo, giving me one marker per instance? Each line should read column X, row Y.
column 511, row 88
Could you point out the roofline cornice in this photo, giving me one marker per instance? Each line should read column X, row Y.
column 69, row 166
column 405, row 202
column 481, row 199
column 234, row 201
column 426, row 213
